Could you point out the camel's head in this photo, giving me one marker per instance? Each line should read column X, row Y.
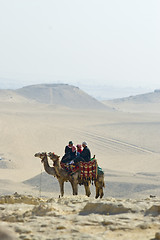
column 41, row 155
column 53, row 156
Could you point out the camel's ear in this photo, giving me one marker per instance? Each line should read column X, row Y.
column 58, row 157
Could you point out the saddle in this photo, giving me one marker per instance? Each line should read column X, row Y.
column 88, row 169
column 70, row 168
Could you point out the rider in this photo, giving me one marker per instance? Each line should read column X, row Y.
column 79, row 149
column 70, row 153
column 85, row 155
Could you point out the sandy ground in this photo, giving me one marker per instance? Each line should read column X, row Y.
column 126, row 146
column 120, row 141
column 80, row 218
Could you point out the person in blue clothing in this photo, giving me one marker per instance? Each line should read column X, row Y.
column 70, row 153
column 85, row 155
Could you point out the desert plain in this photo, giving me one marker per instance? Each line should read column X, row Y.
column 124, row 136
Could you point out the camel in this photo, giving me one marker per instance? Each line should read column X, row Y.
column 99, row 182
column 61, row 175
column 74, row 177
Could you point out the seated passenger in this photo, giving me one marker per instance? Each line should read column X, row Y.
column 79, row 149
column 70, row 153
column 85, row 155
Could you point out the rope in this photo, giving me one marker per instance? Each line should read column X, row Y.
column 40, row 184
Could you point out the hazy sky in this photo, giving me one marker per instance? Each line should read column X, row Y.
column 111, row 41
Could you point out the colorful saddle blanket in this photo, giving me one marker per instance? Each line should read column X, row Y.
column 88, row 169
column 70, row 168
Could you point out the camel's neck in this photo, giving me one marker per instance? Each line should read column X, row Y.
column 57, row 167
column 48, row 169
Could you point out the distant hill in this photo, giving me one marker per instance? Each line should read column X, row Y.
column 153, row 97
column 52, row 94
column 148, row 102
column 12, row 97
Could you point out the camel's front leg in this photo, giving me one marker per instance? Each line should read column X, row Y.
column 74, row 183
column 61, row 184
column 74, row 187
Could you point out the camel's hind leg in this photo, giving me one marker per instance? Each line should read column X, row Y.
column 101, row 192
column 99, row 183
column 97, row 189
column 87, row 188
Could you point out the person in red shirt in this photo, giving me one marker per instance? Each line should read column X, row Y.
column 79, row 149
column 85, row 155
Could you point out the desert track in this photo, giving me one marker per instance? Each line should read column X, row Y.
column 113, row 144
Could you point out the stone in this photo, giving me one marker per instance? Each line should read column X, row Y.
column 157, row 236
column 7, row 234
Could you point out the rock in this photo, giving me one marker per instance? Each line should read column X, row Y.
column 61, row 227
column 104, row 208
column 24, row 237
column 16, row 198
column 144, row 226
column 12, row 218
column 152, row 196
column 154, row 210
column 7, row 234
column 20, row 230
column 42, row 210
column 106, row 223
column 44, row 225
column 157, row 236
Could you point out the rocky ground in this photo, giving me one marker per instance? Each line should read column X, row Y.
column 27, row 217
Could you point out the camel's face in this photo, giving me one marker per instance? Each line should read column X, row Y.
column 37, row 154
column 53, row 156
column 41, row 155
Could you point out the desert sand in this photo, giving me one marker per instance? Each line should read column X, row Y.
column 79, row 217
column 126, row 144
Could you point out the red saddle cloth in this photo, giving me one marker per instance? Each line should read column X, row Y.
column 70, row 168
column 89, row 170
